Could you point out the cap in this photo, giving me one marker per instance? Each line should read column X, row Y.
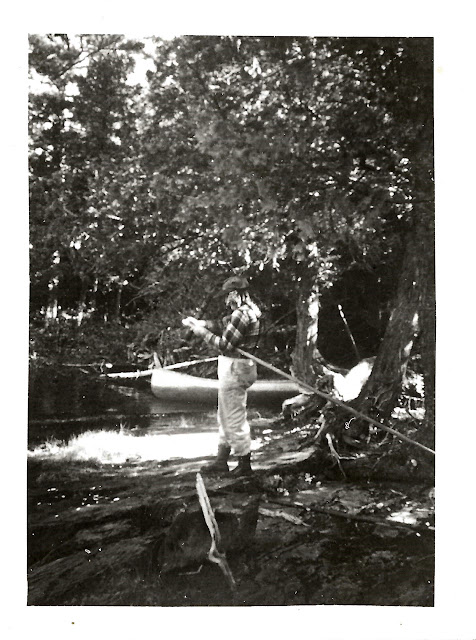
column 235, row 283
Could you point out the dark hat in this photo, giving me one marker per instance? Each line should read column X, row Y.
column 235, row 283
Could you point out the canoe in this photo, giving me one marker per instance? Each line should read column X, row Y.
column 173, row 387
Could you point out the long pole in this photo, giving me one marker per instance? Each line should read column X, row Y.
column 349, row 332
column 329, row 398
column 132, row 375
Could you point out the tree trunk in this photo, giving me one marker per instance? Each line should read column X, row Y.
column 414, row 312
column 380, row 393
column 307, row 313
column 94, row 295
column 428, row 340
column 82, row 301
column 117, row 303
column 425, row 194
column 52, row 308
column 51, row 314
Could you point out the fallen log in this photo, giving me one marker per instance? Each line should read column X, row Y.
column 353, row 516
column 279, row 513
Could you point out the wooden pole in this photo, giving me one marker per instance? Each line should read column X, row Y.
column 329, row 398
column 132, row 375
column 349, row 332
column 181, row 365
column 128, row 375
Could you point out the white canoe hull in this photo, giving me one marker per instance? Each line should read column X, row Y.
column 173, row 387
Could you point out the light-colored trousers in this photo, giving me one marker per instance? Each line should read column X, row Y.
column 235, row 376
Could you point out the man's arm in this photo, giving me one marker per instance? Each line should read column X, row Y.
column 231, row 336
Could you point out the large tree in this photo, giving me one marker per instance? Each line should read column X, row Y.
column 409, row 76
column 284, row 149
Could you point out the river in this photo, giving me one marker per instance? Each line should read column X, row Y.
column 65, row 403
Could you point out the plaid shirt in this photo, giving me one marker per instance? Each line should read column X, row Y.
column 241, row 330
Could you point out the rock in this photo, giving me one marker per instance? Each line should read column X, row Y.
column 188, row 540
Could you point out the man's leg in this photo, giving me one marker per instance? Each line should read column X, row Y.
column 232, row 413
column 233, row 426
column 220, row 464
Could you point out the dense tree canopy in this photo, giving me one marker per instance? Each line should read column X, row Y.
column 306, row 162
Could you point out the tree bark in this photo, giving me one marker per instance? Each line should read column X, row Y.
column 94, row 296
column 82, row 301
column 307, row 314
column 117, row 303
column 425, row 194
column 414, row 313
column 380, row 393
column 51, row 314
column 428, row 343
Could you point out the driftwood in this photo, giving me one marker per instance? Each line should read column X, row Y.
column 279, row 513
column 215, row 554
column 353, row 516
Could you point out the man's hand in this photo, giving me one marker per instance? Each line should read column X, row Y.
column 197, row 326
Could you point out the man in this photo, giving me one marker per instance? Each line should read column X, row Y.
column 235, row 374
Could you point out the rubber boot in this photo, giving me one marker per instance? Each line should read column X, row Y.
column 244, row 467
column 220, row 464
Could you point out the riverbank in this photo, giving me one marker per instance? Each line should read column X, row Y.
column 130, row 532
